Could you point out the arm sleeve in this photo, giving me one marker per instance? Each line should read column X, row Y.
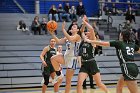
column 114, row 43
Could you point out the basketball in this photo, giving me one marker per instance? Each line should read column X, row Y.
column 52, row 25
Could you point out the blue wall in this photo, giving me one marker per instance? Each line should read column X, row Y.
column 8, row 6
column 91, row 6
column 28, row 5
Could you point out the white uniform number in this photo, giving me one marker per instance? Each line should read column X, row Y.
column 130, row 51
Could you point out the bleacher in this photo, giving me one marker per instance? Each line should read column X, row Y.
column 19, row 51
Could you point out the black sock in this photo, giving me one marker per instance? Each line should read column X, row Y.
column 58, row 73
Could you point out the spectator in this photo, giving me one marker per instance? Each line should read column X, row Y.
column 36, row 25
column 91, row 82
column 59, row 49
column 67, row 8
column 53, row 13
column 130, row 15
column 80, row 9
column 72, row 12
column 43, row 25
column 128, row 25
column 114, row 9
column 62, row 13
column 106, row 10
column 22, row 26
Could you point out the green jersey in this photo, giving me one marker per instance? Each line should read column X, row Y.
column 49, row 54
column 125, row 51
column 86, row 51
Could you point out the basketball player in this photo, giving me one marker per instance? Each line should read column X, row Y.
column 48, row 69
column 125, row 49
column 59, row 49
column 88, row 63
column 70, row 57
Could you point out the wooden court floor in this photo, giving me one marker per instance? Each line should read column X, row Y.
column 73, row 90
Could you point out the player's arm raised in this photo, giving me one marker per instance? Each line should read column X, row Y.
column 58, row 41
column 70, row 38
column 99, row 43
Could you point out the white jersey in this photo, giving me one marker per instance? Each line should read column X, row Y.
column 71, row 54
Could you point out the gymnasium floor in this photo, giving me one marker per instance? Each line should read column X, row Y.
column 73, row 90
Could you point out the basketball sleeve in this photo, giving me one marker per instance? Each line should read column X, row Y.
column 114, row 43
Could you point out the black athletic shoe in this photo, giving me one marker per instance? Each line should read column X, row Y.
column 92, row 87
column 84, row 87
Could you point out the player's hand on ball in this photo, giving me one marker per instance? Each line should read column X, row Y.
column 51, row 31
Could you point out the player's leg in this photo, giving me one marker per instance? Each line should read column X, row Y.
column 81, row 77
column 69, row 75
column 97, row 78
column 46, row 82
column 91, row 81
column 120, row 85
column 132, row 86
column 56, row 60
column 46, row 75
column 130, row 73
column 56, row 85
column 84, row 84
column 59, row 82
column 44, row 87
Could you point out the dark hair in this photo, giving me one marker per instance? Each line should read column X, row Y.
column 68, row 31
column 126, row 35
column 74, row 20
column 79, row 32
column 20, row 22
